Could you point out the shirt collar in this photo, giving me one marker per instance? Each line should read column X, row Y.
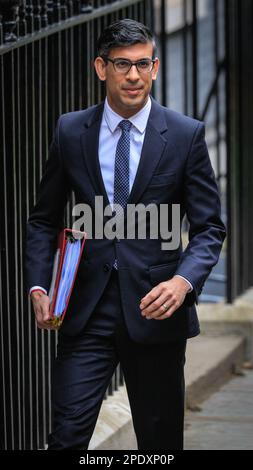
column 139, row 120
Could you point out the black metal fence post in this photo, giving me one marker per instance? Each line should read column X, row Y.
column 239, row 35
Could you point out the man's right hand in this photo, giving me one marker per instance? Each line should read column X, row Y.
column 41, row 304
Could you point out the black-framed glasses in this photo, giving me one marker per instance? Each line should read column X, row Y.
column 124, row 65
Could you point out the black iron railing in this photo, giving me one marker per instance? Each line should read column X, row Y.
column 239, row 40
column 46, row 53
column 47, row 50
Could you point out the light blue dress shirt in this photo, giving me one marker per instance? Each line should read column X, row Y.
column 108, row 139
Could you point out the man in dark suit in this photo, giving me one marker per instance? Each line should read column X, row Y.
column 132, row 302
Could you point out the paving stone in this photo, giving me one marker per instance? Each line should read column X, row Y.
column 226, row 419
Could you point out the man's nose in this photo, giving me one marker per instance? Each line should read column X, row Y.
column 133, row 73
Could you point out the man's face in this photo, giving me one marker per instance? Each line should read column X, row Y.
column 127, row 93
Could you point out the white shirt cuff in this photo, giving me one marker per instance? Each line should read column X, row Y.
column 188, row 282
column 37, row 287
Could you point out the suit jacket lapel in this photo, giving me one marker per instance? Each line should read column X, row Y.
column 153, row 146
column 90, row 143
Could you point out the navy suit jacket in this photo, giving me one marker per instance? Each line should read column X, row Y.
column 174, row 168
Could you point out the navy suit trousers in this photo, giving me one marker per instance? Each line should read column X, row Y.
column 154, row 378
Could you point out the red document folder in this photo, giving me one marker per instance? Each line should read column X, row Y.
column 61, row 268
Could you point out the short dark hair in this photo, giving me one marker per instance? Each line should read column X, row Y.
column 122, row 33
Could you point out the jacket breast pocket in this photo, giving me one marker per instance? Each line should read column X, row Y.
column 163, row 179
column 162, row 272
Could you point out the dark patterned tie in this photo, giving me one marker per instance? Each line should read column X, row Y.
column 121, row 167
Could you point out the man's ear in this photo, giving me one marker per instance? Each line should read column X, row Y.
column 155, row 69
column 100, row 67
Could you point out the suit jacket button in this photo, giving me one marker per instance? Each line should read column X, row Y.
column 107, row 267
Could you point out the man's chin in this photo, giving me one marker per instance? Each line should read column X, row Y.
column 134, row 102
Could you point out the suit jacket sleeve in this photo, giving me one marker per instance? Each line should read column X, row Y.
column 46, row 218
column 202, row 205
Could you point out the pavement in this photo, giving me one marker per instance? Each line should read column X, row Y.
column 225, row 420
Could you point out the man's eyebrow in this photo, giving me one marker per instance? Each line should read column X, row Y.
column 125, row 58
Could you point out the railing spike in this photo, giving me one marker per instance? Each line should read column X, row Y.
column 9, row 10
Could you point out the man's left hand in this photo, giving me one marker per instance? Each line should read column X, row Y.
column 164, row 299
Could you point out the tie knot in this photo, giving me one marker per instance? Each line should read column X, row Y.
column 125, row 125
